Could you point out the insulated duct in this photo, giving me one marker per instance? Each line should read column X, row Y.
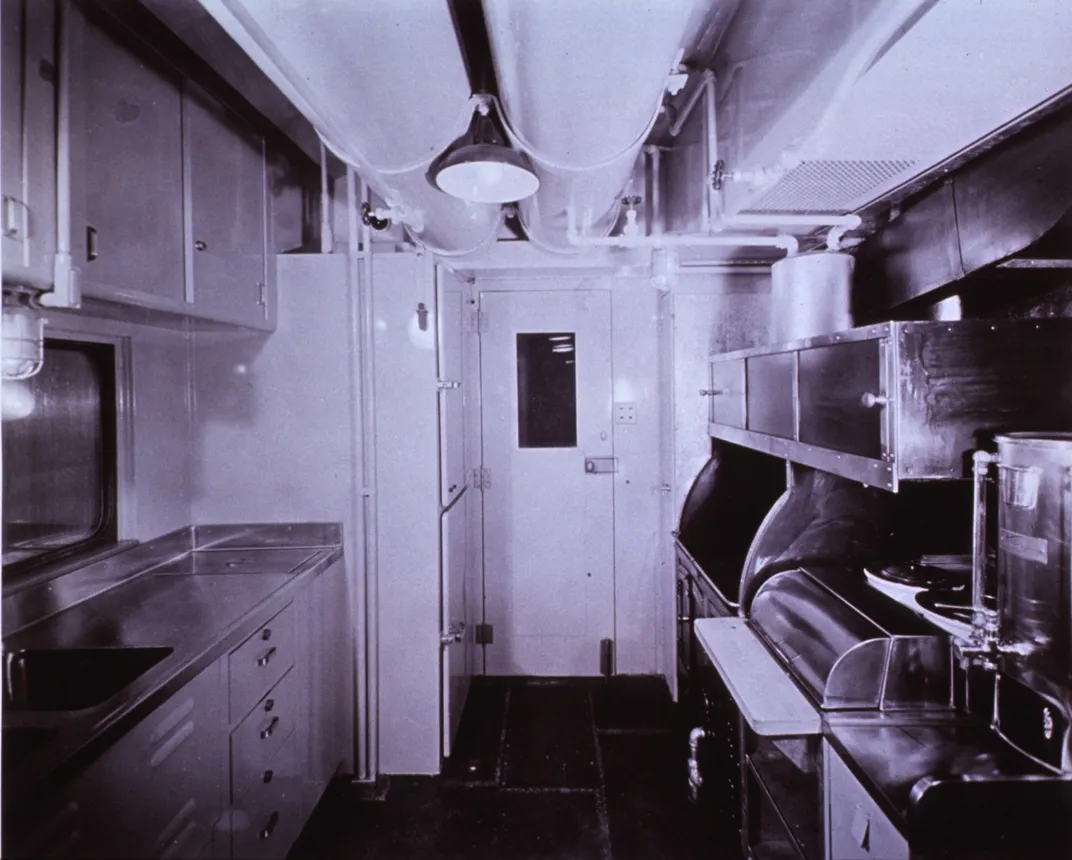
column 580, row 86
column 385, row 86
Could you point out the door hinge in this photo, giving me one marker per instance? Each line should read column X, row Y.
column 480, row 479
column 476, row 322
column 484, row 634
column 447, row 384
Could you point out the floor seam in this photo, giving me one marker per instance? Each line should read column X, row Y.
column 601, row 794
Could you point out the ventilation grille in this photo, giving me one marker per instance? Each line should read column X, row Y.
column 829, row 186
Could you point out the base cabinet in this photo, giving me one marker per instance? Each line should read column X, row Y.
column 858, row 829
column 232, row 764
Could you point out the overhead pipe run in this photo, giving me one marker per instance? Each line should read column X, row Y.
column 580, row 87
column 387, row 91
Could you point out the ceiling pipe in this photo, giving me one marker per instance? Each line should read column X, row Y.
column 787, row 243
column 580, row 88
column 391, row 130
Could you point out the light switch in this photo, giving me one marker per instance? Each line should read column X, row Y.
column 625, row 413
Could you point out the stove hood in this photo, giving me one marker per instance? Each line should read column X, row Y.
column 918, row 87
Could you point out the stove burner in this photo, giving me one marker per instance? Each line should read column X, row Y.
column 954, row 603
column 920, row 575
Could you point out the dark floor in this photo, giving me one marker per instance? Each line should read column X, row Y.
column 576, row 768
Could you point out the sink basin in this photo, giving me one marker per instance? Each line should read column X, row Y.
column 21, row 742
column 72, row 678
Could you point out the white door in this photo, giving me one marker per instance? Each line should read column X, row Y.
column 457, row 645
column 545, row 372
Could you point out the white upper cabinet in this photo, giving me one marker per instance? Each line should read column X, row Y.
column 226, row 235
column 126, row 169
column 28, row 157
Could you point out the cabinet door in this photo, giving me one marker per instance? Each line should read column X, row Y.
column 858, row 829
column 771, row 394
column 727, row 393
column 27, row 159
column 226, row 225
column 126, row 167
column 160, row 789
column 842, row 388
column 451, row 304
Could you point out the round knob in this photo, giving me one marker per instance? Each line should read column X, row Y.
column 200, row 246
column 589, row 466
column 870, row 401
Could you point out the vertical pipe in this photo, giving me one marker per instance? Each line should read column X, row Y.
column 981, row 467
column 655, row 161
column 367, row 359
column 327, row 235
column 360, row 571
column 711, row 115
column 63, row 274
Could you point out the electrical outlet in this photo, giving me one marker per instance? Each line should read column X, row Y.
column 625, row 413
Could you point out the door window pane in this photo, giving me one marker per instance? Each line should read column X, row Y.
column 547, row 390
column 59, row 459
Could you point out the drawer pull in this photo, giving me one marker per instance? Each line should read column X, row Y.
column 269, row 729
column 266, row 633
column 266, row 656
column 268, row 705
column 268, row 774
column 273, row 820
column 712, row 392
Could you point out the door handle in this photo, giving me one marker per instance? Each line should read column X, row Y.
column 600, row 465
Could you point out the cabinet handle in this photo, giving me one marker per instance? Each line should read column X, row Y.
column 870, row 401
column 174, row 742
column 266, row 657
column 268, row 705
column 273, row 820
column 266, row 634
column 91, row 244
column 268, row 774
column 200, row 246
column 452, row 488
column 269, row 729
column 712, row 392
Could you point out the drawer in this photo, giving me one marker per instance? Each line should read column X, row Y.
column 268, row 817
column 727, row 387
column 835, row 409
column 261, row 733
column 259, row 662
column 858, row 828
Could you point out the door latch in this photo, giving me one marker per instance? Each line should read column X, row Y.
column 600, row 465
column 454, row 633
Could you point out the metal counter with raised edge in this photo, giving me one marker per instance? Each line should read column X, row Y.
column 953, row 787
column 161, row 603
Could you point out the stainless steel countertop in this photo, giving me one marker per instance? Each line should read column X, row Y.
column 200, row 616
column 891, row 753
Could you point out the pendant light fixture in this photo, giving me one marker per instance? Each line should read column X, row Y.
column 480, row 168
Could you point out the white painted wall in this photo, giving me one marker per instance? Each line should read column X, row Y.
column 276, row 435
column 712, row 313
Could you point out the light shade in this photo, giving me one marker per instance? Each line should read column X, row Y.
column 480, row 168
